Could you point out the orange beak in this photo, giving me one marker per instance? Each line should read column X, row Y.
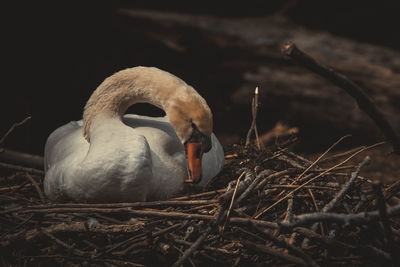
column 194, row 157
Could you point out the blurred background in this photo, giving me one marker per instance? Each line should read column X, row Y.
column 55, row 56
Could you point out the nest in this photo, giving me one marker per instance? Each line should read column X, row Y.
column 268, row 207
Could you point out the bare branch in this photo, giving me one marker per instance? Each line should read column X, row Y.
column 347, row 219
column 15, row 125
column 364, row 102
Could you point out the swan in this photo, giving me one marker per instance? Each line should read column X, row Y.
column 111, row 157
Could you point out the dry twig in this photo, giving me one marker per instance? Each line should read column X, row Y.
column 15, row 125
column 253, row 127
column 347, row 219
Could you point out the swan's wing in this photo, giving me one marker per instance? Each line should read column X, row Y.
column 213, row 161
column 63, row 141
column 64, row 148
column 113, row 168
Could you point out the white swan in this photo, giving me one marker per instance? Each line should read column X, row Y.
column 112, row 157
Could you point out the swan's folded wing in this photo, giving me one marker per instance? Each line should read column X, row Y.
column 62, row 142
column 213, row 161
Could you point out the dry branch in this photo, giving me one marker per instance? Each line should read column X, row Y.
column 142, row 237
column 364, row 102
column 242, row 185
column 328, row 207
column 35, row 184
column 339, row 196
column 252, row 186
column 20, row 168
column 275, row 252
column 347, row 219
column 12, row 128
column 253, row 126
column 20, row 158
column 387, row 230
column 321, row 239
column 61, row 243
column 280, row 241
column 192, row 248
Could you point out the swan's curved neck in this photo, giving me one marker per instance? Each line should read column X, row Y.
column 125, row 88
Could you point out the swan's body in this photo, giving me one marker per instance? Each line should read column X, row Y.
column 109, row 157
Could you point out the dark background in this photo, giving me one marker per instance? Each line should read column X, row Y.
column 55, row 55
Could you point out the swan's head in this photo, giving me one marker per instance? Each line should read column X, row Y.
column 192, row 119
